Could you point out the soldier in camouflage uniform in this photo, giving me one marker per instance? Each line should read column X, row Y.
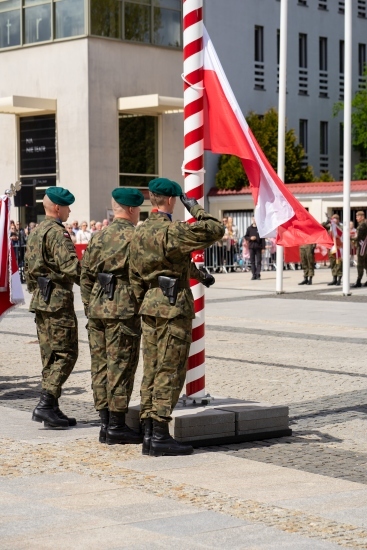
column 114, row 327
column 361, row 242
column 308, row 263
column 163, row 248
column 51, row 260
column 336, row 265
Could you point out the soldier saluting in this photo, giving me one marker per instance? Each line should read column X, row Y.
column 160, row 269
column 113, row 321
column 361, row 240
column 51, row 267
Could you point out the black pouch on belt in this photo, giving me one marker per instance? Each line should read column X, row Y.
column 108, row 283
column 169, row 287
column 45, row 286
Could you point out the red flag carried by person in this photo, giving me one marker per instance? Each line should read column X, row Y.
column 277, row 212
column 11, row 292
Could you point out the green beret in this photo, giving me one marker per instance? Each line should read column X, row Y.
column 165, row 187
column 60, row 196
column 128, row 196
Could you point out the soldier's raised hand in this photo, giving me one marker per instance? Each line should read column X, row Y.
column 187, row 202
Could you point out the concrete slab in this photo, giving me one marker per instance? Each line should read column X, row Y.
column 222, row 421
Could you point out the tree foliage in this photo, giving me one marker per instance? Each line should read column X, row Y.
column 359, row 127
column 231, row 174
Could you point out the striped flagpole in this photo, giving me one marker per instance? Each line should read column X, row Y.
column 193, row 170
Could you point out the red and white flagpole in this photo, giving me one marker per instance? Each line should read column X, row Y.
column 193, row 170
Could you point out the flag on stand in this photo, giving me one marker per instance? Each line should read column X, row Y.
column 336, row 233
column 11, row 292
column 277, row 212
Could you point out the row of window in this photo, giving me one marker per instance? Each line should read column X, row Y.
column 326, row 5
column 259, row 55
column 149, row 21
column 259, row 58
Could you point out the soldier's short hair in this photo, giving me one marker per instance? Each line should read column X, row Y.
column 158, row 200
column 360, row 213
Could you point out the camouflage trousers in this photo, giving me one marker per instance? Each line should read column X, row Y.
column 58, row 339
column 114, row 348
column 307, row 260
column 336, row 267
column 166, row 345
column 361, row 265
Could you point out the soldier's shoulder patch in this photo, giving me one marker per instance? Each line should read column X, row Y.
column 67, row 235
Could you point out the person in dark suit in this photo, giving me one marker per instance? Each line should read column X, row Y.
column 257, row 247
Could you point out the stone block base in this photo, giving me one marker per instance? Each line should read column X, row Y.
column 222, row 421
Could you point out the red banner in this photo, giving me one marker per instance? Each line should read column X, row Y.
column 80, row 250
column 292, row 254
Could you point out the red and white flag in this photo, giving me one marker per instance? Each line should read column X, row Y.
column 337, row 235
column 277, row 212
column 11, row 292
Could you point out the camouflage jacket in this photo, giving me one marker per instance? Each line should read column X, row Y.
column 51, row 253
column 361, row 236
column 108, row 252
column 162, row 247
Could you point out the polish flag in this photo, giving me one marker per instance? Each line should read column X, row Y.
column 337, row 236
column 277, row 212
column 11, row 292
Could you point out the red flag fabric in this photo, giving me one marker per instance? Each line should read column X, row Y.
column 277, row 212
column 11, row 292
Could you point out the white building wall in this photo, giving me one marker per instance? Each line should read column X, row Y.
column 55, row 71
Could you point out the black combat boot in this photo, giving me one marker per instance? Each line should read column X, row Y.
column 162, row 444
column 45, row 412
column 118, row 433
column 104, row 415
column 148, row 429
column 357, row 284
column 339, row 281
column 309, row 282
column 60, row 414
column 304, row 282
column 333, row 282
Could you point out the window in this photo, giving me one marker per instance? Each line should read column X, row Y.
column 34, row 17
column 324, row 146
column 9, row 23
column 303, row 134
column 278, row 46
column 37, row 159
column 322, row 4
column 105, row 17
column 138, row 150
column 362, row 8
column 341, row 6
column 361, row 58
column 341, row 56
column 259, row 44
column 341, row 139
column 322, row 53
column 37, row 22
column 302, row 42
column 152, row 21
column 69, row 18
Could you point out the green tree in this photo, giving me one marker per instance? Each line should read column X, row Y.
column 359, row 127
column 231, row 174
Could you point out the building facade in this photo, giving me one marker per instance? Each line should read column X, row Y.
column 91, row 95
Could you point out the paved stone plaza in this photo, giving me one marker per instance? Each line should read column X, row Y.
column 304, row 349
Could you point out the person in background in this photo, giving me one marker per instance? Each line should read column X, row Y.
column 353, row 248
column 92, row 226
column 75, row 226
column 221, row 248
column 98, row 226
column 335, row 256
column 245, row 254
column 83, row 235
column 256, row 246
column 230, row 241
column 69, row 229
column 105, row 224
column 308, row 263
column 361, row 242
